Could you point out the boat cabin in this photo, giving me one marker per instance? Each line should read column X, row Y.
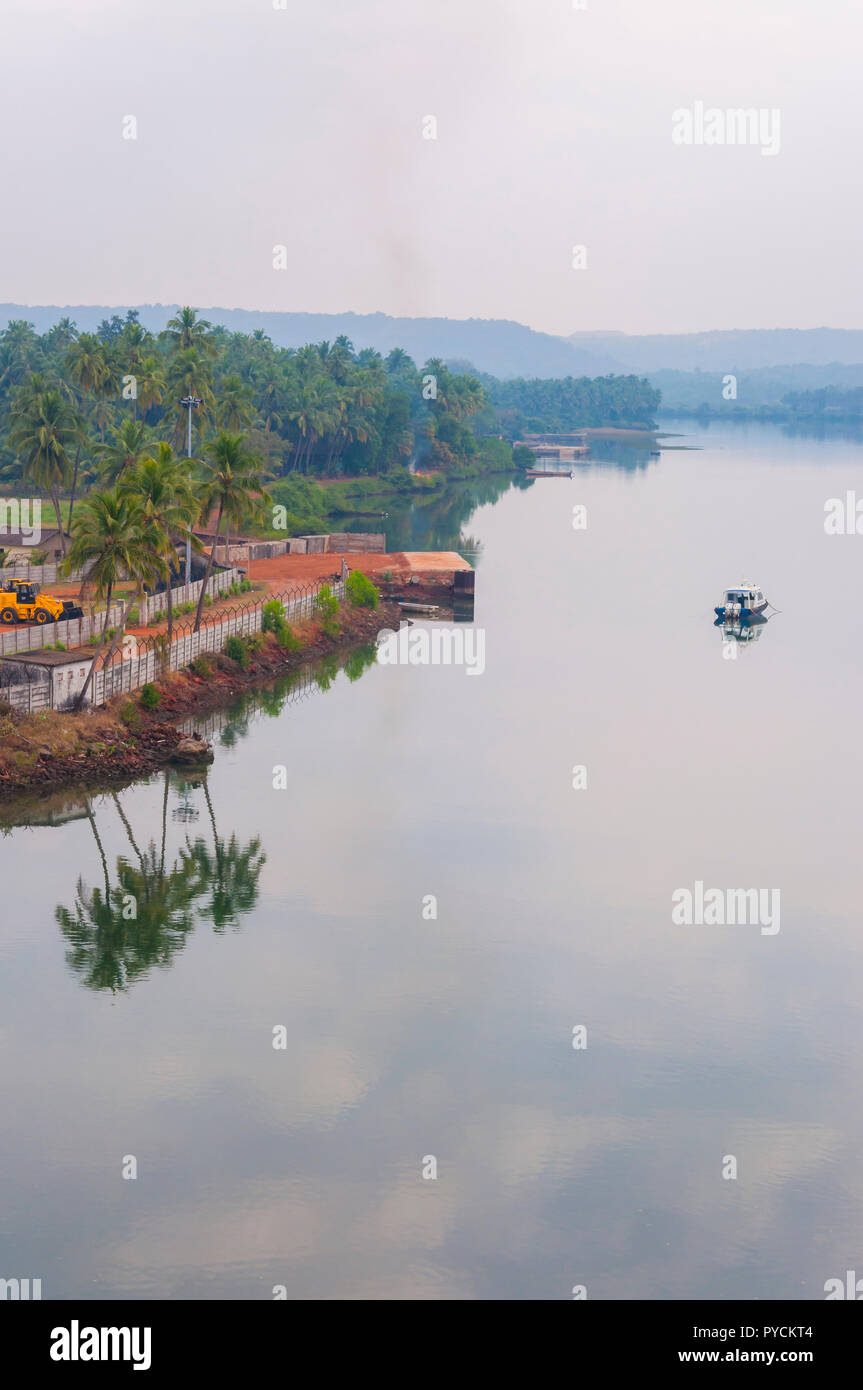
column 744, row 598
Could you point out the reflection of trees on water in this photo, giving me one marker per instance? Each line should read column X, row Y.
column 232, row 723
column 120, row 931
column 141, row 914
column 436, row 523
column 225, row 878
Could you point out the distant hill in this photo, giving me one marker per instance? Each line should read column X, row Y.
column 499, row 347
column 759, row 386
column 723, row 351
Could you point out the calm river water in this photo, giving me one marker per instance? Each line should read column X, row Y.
column 410, row 1038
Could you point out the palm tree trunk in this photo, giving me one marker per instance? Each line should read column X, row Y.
column 98, row 652
column 74, row 487
column 169, row 606
column 207, row 572
column 118, row 635
column 55, row 498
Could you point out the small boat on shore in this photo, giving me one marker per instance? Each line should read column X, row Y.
column 742, row 604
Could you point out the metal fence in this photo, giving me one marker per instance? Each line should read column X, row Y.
column 154, row 604
column 149, row 657
column 76, row 632
column 144, row 659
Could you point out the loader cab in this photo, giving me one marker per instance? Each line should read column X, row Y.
column 26, row 591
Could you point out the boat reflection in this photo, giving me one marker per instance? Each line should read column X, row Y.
column 741, row 631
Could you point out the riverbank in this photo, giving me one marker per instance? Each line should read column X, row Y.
column 124, row 741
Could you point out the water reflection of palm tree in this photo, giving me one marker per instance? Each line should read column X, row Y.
column 92, row 819
column 95, row 932
column 117, row 935
column 226, row 878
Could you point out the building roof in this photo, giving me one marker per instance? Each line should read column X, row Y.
column 42, row 657
column 23, row 540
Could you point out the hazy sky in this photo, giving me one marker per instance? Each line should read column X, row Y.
column 303, row 127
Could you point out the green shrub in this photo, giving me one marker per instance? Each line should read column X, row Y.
column 236, row 649
column 133, row 617
column 523, row 457
column 273, row 615
column 361, row 591
column 150, row 696
column 246, row 586
column 254, row 641
column 130, row 715
column 286, row 638
column 387, row 576
column 326, row 603
column 201, row 667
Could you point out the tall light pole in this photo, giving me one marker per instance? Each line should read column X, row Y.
column 189, row 403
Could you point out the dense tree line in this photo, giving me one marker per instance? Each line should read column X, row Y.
column 828, row 402
column 321, row 410
column 522, row 406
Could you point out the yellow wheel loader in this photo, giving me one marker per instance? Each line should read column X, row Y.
column 20, row 602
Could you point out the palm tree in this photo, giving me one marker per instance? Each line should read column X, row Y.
column 189, row 375
column 186, row 330
column 151, row 384
column 312, row 418
column 87, row 365
column 234, row 411
column 111, row 541
column 20, row 351
column 398, row 361
column 42, row 434
column 161, row 482
column 232, row 482
column 128, row 445
column 268, row 383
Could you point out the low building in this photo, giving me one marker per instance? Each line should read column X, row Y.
column 61, row 673
column 22, row 543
